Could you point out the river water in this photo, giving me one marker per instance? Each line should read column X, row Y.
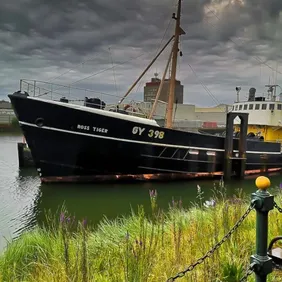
column 24, row 200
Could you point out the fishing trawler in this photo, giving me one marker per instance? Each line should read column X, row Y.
column 71, row 142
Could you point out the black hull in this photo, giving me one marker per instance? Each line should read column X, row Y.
column 73, row 143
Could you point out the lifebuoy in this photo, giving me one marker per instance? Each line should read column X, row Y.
column 128, row 106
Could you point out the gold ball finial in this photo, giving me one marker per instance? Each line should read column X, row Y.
column 262, row 182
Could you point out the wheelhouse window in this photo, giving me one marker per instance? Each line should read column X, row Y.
column 271, row 107
column 236, row 108
column 263, row 106
column 245, row 106
column 279, row 107
column 251, row 106
column 240, row 107
column 257, row 106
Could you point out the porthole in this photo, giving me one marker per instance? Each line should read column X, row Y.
column 39, row 122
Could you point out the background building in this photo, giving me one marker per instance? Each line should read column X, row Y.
column 6, row 113
column 188, row 117
column 151, row 89
column 185, row 116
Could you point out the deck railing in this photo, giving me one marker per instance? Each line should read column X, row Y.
column 76, row 95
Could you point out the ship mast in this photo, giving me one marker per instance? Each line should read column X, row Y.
column 178, row 32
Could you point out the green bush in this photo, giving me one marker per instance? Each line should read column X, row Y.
column 15, row 122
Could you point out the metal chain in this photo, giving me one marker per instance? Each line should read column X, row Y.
column 249, row 271
column 276, row 206
column 277, row 266
column 216, row 246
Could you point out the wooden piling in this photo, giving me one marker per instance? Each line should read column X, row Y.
column 24, row 156
column 235, row 162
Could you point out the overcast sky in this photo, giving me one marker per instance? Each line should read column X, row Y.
column 227, row 44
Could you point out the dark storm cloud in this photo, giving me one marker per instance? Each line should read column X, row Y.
column 236, row 16
column 87, row 25
column 41, row 39
column 260, row 9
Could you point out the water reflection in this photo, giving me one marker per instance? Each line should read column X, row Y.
column 18, row 193
column 95, row 201
column 24, row 200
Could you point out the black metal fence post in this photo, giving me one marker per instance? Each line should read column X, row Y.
column 263, row 202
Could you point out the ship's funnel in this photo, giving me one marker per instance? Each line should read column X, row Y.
column 252, row 94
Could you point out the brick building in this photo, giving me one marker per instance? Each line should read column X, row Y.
column 151, row 89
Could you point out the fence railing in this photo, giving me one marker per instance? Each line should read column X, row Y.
column 6, row 119
column 50, row 90
column 264, row 260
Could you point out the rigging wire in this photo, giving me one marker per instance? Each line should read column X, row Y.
column 69, row 70
column 102, row 71
column 217, row 102
column 204, row 86
column 180, row 60
column 255, row 57
column 91, row 59
column 179, row 71
column 234, row 42
column 113, row 66
column 99, row 72
column 111, row 58
column 160, row 44
column 142, row 81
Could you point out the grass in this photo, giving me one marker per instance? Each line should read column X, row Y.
column 140, row 247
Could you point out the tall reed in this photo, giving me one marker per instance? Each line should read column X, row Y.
column 139, row 247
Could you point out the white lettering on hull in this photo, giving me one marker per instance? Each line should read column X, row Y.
column 92, row 128
column 151, row 132
column 137, row 130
